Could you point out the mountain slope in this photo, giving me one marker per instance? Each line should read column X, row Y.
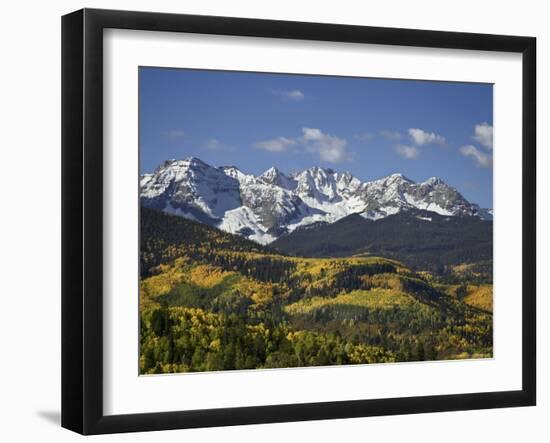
column 165, row 237
column 421, row 239
column 265, row 207
column 214, row 301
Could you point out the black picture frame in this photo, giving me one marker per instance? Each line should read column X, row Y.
column 82, row 215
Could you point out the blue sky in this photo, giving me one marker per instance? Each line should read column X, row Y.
column 369, row 127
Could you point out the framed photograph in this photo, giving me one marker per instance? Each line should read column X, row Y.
column 269, row 221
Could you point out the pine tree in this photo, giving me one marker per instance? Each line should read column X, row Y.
column 420, row 353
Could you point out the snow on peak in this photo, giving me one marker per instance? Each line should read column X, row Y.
column 397, row 178
column 432, row 181
column 271, row 172
column 266, row 206
column 275, row 177
column 237, row 174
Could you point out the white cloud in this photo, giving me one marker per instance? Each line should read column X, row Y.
column 279, row 144
column 294, row 94
column 481, row 158
column 484, row 135
column 213, row 144
column 390, row 135
column 421, row 138
column 312, row 134
column 329, row 148
column 409, row 152
column 175, row 133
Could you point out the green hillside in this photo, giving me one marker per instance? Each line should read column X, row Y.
column 213, row 301
column 423, row 240
column 165, row 237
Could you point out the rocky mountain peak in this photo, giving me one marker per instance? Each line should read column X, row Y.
column 434, row 181
column 275, row 177
column 266, row 206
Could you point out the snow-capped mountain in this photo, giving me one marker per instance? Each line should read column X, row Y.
column 393, row 193
column 264, row 207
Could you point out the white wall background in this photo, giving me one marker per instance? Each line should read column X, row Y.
column 30, row 221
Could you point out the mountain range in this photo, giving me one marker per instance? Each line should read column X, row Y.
column 268, row 206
